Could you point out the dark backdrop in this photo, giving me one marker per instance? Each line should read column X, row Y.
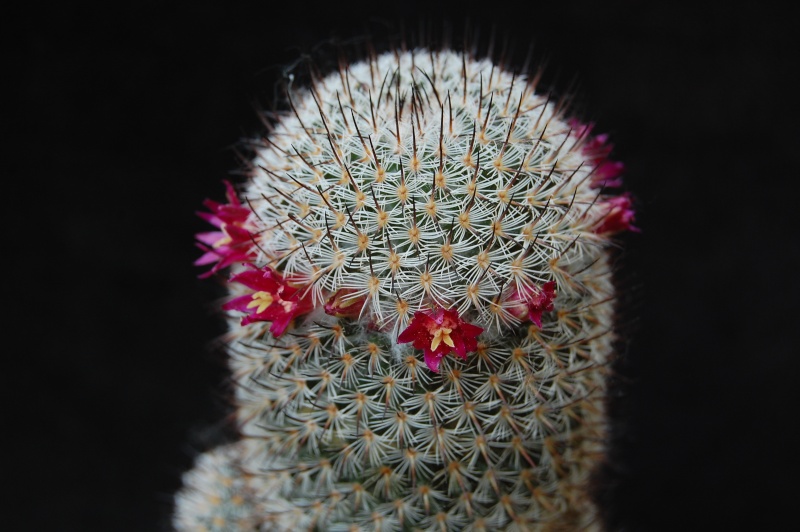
column 121, row 121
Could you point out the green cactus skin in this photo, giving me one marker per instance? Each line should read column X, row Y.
column 412, row 181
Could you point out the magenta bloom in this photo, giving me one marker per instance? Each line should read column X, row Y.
column 619, row 215
column 343, row 305
column 232, row 243
column 439, row 332
column 530, row 303
column 273, row 299
column 607, row 173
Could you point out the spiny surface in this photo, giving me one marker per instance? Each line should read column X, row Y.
column 408, row 183
column 403, row 183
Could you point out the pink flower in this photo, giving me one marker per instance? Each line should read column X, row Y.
column 440, row 332
column 343, row 305
column 619, row 215
column 273, row 299
column 232, row 243
column 607, row 173
column 530, row 303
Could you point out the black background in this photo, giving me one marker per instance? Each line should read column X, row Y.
column 121, row 121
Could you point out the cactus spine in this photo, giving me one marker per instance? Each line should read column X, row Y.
column 421, row 317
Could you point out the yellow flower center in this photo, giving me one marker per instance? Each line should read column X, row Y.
column 442, row 335
column 262, row 300
column 225, row 240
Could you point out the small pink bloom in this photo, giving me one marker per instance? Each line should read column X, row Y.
column 619, row 215
column 530, row 303
column 273, row 299
column 232, row 243
column 342, row 304
column 438, row 333
column 607, row 173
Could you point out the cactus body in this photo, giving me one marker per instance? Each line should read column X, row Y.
column 421, row 312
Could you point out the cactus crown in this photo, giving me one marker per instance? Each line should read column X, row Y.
column 408, row 207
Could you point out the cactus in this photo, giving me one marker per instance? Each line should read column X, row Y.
column 421, row 307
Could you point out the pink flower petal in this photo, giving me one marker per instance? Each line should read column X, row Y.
column 531, row 302
column 433, row 360
column 619, row 216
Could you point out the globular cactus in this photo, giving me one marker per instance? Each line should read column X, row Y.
column 422, row 307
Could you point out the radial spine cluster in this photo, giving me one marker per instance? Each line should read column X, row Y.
column 421, row 311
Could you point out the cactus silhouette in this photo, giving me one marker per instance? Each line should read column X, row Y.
column 421, row 307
